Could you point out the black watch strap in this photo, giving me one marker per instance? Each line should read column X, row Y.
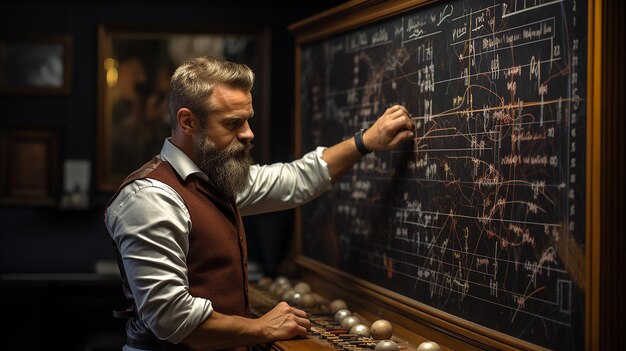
column 360, row 145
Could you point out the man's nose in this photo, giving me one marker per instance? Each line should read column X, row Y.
column 246, row 132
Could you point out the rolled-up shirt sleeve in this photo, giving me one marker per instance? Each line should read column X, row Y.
column 282, row 186
column 150, row 224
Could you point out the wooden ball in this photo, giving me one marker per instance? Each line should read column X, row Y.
column 381, row 330
column 282, row 280
column 302, row 288
column 283, row 289
column 341, row 314
column 360, row 330
column 337, row 305
column 288, row 296
column 295, row 299
column 429, row 346
column 386, row 345
column 307, row 300
column 350, row 322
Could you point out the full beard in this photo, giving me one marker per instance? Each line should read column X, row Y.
column 227, row 169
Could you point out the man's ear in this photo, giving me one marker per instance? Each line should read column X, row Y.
column 187, row 121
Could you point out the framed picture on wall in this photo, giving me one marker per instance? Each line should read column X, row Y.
column 134, row 69
column 29, row 166
column 39, row 65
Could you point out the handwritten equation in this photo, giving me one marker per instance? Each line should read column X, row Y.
column 482, row 215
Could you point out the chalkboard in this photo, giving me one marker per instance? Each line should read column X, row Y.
column 482, row 216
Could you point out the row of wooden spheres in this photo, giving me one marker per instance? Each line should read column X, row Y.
column 379, row 330
column 300, row 295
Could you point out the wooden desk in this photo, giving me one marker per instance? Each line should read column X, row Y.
column 306, row 344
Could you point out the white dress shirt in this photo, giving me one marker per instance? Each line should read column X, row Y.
column 150, row 224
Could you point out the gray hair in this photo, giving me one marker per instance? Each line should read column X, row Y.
column 193, row 82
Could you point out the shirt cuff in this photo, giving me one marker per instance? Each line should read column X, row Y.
column 324, row 167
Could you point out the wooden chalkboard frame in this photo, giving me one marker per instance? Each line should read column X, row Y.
column 417, row 321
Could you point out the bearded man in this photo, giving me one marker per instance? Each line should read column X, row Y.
column 176, row 221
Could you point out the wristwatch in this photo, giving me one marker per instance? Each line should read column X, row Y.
column 360, row 145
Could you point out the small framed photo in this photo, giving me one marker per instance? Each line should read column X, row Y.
column 37, row 65
column 29, row 166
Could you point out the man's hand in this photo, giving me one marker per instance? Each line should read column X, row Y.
column 284, row 322
column 389, row 130
column 223, row 331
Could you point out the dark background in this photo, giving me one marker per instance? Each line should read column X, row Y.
column 50, row 295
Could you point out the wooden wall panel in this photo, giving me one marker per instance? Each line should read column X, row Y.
column 613, row 245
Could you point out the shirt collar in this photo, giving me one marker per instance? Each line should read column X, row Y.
column 181, row 163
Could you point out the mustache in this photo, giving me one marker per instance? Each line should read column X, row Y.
column 239, row 148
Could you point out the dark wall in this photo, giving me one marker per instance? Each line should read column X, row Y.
column 45, row 240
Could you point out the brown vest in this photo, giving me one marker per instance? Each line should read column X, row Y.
column 217, row 261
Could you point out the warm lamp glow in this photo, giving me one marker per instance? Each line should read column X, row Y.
column 110, row 65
